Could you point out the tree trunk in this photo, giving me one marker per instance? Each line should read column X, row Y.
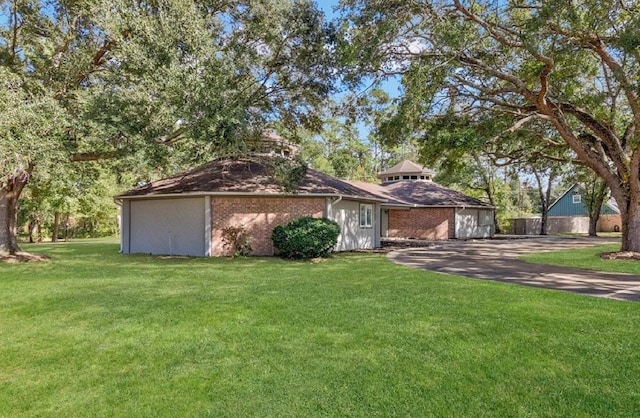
column 56, row 226
column 631, row 227
column 492, row 202
column 32, row 228
column 39, row 230
column 66, row 227
column 9, row 195
column 543, row 222
column 596, row 207
column 544, row 203
column 593, row 224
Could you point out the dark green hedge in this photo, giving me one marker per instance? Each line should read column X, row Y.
column 306, row 237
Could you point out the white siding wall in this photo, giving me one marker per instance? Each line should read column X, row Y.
column 474, row 223
column 384, row 223
column 352, row 237
column 165, row 226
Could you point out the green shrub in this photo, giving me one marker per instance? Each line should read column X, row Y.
column 236, row 241
column 305, row 237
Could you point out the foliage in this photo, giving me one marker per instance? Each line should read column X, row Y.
column 93, row 333
column 337, row 150
column 568, row 68
column 152, row 84
column 81, row 194
column 305, row 238
column 288, row 173
column 236, row 241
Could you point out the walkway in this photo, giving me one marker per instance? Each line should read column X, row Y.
column 497, row 260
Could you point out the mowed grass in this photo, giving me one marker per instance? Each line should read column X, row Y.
column 587, row 258
column 95, row 333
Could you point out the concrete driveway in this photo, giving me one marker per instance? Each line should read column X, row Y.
column 497, row 260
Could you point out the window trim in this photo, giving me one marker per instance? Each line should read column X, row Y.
column 576, row 198
column 366, row 215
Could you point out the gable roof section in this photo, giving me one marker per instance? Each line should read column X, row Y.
column 559, row 207
column 244, row 176
column 420, row 193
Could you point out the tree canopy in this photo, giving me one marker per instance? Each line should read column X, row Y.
column 572, row 66
column 144, row 81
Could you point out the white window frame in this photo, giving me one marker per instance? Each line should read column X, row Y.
column 366, row 215
column 577, row 199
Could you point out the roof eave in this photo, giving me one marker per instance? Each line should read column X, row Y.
column 199, row 194
column 438, row 206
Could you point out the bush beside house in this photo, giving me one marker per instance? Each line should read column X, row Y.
column 306, row 237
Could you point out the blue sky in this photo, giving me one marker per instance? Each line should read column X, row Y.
column 327, row 6
column 391, row 86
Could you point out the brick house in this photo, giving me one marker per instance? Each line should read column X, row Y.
column 185, row 214
column 417, row 208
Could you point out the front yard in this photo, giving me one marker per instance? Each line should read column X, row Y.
column 95, row 333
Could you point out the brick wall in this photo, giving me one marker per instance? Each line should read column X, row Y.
column 608, row 223
column 259, row 215
column 422, row 223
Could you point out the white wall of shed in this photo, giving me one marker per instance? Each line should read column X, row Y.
column 125, row 217
column 468, row 223
column 167, row 226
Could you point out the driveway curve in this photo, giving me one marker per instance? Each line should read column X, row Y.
column 498, row 260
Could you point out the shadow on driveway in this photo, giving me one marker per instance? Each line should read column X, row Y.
column 497, row 260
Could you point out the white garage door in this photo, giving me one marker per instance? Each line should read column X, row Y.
column 168, row 226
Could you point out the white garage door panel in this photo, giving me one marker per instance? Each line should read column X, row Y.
column 168, row 226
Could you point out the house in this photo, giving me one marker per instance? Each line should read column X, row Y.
column 572, row 204
column 186, row 213
column 569, row 215
column 418, row 208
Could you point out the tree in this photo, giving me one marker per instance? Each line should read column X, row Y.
column 546, row 175
column 28, row 123
column 339, row 151
column 570, row 65
column 594, row 192
column 84, row 80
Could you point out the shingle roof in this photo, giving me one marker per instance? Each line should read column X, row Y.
column 406, row 167
column 245, row 175
column 420, row 193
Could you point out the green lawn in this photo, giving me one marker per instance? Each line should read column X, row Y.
column 95, row 333
column 587, row 258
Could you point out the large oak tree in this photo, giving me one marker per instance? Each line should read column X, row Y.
column 572, row 65
column 83, row 80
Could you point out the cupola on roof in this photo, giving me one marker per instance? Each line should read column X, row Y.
column 270, row 143
column 406, row 170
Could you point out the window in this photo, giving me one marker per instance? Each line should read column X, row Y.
column 366, row 216
column 485, row 217
column 405, row 177
column 414, row 177
column 577, row 198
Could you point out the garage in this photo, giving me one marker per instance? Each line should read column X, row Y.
column 166, row 226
